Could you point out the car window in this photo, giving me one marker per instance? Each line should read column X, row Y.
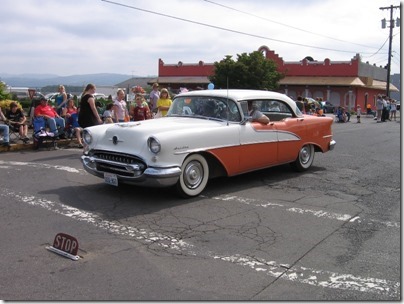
column 209, row 107
column 273, row 108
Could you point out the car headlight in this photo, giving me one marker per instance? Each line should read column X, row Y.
column 154, row 145
column 87, row 137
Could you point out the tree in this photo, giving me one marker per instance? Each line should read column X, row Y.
column 250, row 71
column 3, row 92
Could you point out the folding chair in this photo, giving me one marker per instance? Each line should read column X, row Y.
column 14, row 133
column 41, row 136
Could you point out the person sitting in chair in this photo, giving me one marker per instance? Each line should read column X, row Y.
column 52, row 118
column 5, row 130
column 16, row 120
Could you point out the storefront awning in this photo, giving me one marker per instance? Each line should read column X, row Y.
column 181, row 80
column 336, row 81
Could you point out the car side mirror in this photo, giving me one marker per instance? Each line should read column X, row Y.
column 246, row 119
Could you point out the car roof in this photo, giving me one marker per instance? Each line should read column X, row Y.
column 238, row 94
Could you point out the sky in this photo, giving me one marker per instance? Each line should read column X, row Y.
column 74, row 37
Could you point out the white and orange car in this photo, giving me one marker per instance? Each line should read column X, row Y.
column 204, row 135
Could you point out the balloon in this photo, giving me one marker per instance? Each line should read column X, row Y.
column 211, row 86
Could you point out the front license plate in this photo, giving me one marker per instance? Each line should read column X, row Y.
column 110, row 179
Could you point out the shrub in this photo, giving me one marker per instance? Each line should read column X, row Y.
column 5, row 105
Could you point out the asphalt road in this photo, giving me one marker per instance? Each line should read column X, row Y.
column 332, row 233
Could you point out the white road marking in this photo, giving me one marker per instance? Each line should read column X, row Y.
column 300, row 274
column 12, row 164
column 316, row 213
column 248, row 201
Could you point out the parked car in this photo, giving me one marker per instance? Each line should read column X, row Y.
column 97, row 96
column 204, row 135
column 328, row 107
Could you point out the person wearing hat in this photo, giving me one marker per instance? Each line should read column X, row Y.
column 154, row 96
column 53, row 120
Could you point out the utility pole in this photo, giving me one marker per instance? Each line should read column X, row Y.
column 390, row 41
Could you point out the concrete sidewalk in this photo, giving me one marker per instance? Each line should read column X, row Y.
column 18, row 145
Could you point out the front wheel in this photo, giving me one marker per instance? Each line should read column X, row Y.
column 194, row 176
column 304, row 159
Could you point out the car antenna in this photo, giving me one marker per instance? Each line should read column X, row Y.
column 227, row 99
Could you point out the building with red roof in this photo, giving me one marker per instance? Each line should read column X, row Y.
column 342, row 83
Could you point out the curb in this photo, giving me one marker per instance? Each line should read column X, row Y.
column 30, row 146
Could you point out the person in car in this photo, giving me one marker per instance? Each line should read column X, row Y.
column 255, row 114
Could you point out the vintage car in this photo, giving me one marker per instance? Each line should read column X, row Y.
column 206, row 134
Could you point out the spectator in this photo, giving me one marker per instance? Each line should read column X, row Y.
column 341, row 114
column 88, row 115
column 164, row 102
column 358, row 113
column 300, row 104
column 61, row 100
column 69, row 109
column 393, row 109
column 71, row 117
column 55, row 122
column 385, row 112
column 100, row 107
column 379, row 107
column 5, row 130
column 108, row 114
column 255, row 114
column 369, row 110
column 141, row 111
column 154, row 96
column 319, row 112
column 119, row 108
column 17, row 121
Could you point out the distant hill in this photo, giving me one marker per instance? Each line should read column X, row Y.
column 41, row 80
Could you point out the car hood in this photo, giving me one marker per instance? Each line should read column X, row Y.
column 174, row 133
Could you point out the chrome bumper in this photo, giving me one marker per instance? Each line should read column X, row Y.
column 332, row 145
column 133, row 174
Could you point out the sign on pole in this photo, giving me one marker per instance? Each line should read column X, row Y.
column 31, row 93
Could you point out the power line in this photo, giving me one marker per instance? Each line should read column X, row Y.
column 378, row 49
column 286, row 25
column 225, row 29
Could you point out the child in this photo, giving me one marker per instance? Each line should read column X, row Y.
column 358, row 113
column 141, row 110
column 107, row 115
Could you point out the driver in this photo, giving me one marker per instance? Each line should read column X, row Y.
column 255, row 114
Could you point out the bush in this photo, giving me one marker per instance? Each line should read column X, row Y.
column 5, row 105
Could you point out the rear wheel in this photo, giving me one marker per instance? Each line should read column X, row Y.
column 304, row 159
column 194, row 176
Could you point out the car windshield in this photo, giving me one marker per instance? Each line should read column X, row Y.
column 205, row 107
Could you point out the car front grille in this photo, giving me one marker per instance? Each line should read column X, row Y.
column 118, row 163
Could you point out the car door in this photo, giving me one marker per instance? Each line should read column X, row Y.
column 290, row 132
column 258, row 146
